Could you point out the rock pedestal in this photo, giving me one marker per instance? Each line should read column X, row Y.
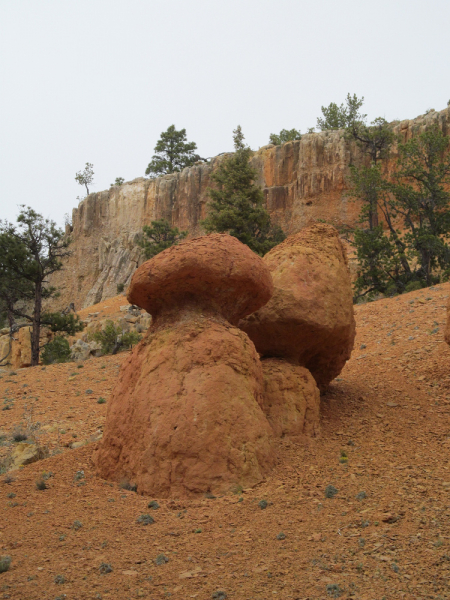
column 291, row 399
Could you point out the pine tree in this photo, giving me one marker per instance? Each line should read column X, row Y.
column 237, row 202
column 159, row 237
column 341, row 117
column 173, row 153
column 285, row 135
column 29, row 253
column 422, row 200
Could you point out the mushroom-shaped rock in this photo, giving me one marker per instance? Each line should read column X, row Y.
column 309, row 319
column 215, row 272
column 186, row 415
column 291, row 399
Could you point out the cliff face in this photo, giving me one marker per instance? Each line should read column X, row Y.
column 303, row 181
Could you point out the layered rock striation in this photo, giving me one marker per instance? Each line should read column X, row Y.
column 303, row 181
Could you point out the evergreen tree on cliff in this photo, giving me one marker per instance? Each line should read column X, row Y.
column 160, row 236
column 29, row 252
column 237, row 202
column 285, row 135
column 173, row 153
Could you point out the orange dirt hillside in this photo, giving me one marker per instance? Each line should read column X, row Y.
column 384, row 447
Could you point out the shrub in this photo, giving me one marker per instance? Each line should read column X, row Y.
column 330, row 491
column 413, row 286
column 153, row 504
column 19, row 435
column 130, row 339
column 77, row 525
column 120, row 287
column 56, row 351
column 60, row 579
column 161, row 559
column 5, row 563
column 101, row 401
column 112, row 338
column 263, row 504
column 145, row 520
column 333, row 590
column 41, row 485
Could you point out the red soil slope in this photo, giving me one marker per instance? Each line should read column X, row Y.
column 389, row 412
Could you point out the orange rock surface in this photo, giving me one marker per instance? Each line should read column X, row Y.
column 214, row 272
column 291, row 399
column 389, row 410
column 309, row 319
column 185, row 417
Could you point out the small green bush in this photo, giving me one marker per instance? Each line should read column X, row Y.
column 161, row 559
column 263, row 504
column 145, row 520
column 130, row 339
column 101, row 401
column 333, row 590
column 120, row 287
column 41, row 485
column 19, row 435
column 412, row 286
column 153, row 504
column 112, row 338
column 330, row 491
column 5, row 563
column 56, row 351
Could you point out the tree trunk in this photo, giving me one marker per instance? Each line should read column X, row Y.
column 36, row 329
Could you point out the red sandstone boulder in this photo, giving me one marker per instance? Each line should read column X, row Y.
column 215, row 272
column 185, row 417
column 291, row 399
column 309, row 319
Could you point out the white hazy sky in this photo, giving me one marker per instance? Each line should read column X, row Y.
column 98, row 80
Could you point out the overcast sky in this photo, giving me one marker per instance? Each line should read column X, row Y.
column 98, row 80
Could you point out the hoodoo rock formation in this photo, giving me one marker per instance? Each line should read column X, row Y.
column 309, row 320
column 186, row 416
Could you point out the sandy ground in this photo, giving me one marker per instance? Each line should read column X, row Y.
column 385, row 533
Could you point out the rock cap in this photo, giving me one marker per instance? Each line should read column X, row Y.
column 215, row 272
